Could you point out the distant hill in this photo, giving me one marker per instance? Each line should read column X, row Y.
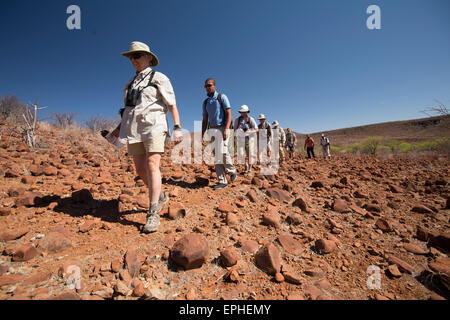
column 409, row 131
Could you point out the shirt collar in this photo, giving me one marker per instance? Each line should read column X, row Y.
column 215, row 95
column 143, row 73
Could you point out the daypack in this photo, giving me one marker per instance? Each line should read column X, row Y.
column 219, row 98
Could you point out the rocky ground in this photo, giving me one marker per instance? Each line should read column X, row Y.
column 72, row 209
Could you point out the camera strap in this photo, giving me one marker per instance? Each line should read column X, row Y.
column 152, row 74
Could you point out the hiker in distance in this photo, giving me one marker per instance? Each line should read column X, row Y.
column 264, row 125
column 245, row 126
column 217, row 115
column 291, row 141
column 325, row 143
column 309, row 146
column 281, row 138
column 148, row 96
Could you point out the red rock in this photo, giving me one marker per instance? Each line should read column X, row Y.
column 421, row 209
column 82, row 196
column 299, row 202
column 360, row 195
column 294, row 219
column 28, row 180
column 66, row 296
column 292, row 278
column 125, row 276
column 191, row 251
column 115, row 265
column 3, row 269
column 252, row 196
column 50, row 171
column 268, row 259
column 383, row 224
column 295, row 296
column 132, row 262
column 249, row 246
column 323, row 284
column 87, row 226
column 314, row 272
column 414, row 249
column 317, row 184
column 9, row 279
column 5, row 212
column 143, row 201
column 13, row 234
column 39, row 277
column 279, row 277
column 229, row 257
column 372, row 208
column 441, row 265
column 139, row 289
column 176, row 211
column 257, row 181
column 25, row 252
column 447, row 205
column 290, row 244
column 402, row 265
column 341, row 206
column 225, row 207
column 325, row 246
column 55, row 241
column 278, row 194
column 441, row 241
column 393, row 271
column 312, row 291
column 202, row 181
column 232, row 219
column 271, row 218
column 423, row 235
column 396, row 189
column 29, row 199
column 121, row 288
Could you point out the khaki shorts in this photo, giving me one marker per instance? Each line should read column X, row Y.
column 154, row 144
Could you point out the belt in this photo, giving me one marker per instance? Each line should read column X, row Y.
column 216, row 127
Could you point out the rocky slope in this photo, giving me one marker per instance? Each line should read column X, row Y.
column 316, row 230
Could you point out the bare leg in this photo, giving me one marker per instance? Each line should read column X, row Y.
column 153, row 176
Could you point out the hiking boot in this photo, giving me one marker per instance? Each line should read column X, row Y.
column 220, row 186
column 152, row 222
column 163, row 199
column 233, row 177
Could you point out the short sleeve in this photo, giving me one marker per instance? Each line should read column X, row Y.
column 254, row 125
column 166, row 89
column 225, row 101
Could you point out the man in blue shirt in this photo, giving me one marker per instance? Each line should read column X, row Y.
column 217, row 114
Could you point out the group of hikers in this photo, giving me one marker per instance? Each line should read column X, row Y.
column 147, row 98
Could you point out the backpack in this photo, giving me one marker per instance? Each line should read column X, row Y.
column 267, row 126
column 219, row 98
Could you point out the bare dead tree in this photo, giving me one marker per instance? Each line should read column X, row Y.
column 98, row 122
column 439, row 110
column 63, row 119
column 29, row 128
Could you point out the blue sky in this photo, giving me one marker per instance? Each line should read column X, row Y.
column 311, row 65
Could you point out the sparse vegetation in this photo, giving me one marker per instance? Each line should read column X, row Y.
column 373, row 145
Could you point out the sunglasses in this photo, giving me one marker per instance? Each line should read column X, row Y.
column 136, row 56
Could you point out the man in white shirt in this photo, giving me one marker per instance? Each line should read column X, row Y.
column 325, row 143
column 245, row 126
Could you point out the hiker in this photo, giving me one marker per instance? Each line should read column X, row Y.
column 217, row 115
column 144, row 126
column 291, row 141
column 325, row 143
column 309, row 146
column 281, row 138
column 264, row 125
column 246, row 126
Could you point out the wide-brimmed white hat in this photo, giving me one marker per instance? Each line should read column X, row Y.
column 137, row 46
column 244, row 108
column 262, row 117
column 275, row 123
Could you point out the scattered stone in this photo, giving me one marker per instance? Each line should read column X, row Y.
column 393, row 271
column 292, row 278
column 249, row 246
column 132, row 262
column 268, row 259
column 421, row 209
column 340, row 206
column 13, row 234
column 301, row 203
column 290, row 244
column 415, row 249
column 383, row 224
column 278, row 194
column 325, row 246
column 402, row 265
column 25, row 252
column 441, row 241
column 176, row 211
column 88, row 225
column 229, row 257
column 271, row 218
column 191, row 251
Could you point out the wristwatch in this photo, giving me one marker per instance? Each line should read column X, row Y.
column 176, row 127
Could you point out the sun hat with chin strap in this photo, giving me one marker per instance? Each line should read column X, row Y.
column 136, row 47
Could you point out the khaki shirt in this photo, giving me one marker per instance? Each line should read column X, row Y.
column 148, row 118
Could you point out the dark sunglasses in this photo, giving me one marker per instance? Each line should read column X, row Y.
column 208, row 85
column 136, row 56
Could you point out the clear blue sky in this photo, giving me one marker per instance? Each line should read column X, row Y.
column 311, row 65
